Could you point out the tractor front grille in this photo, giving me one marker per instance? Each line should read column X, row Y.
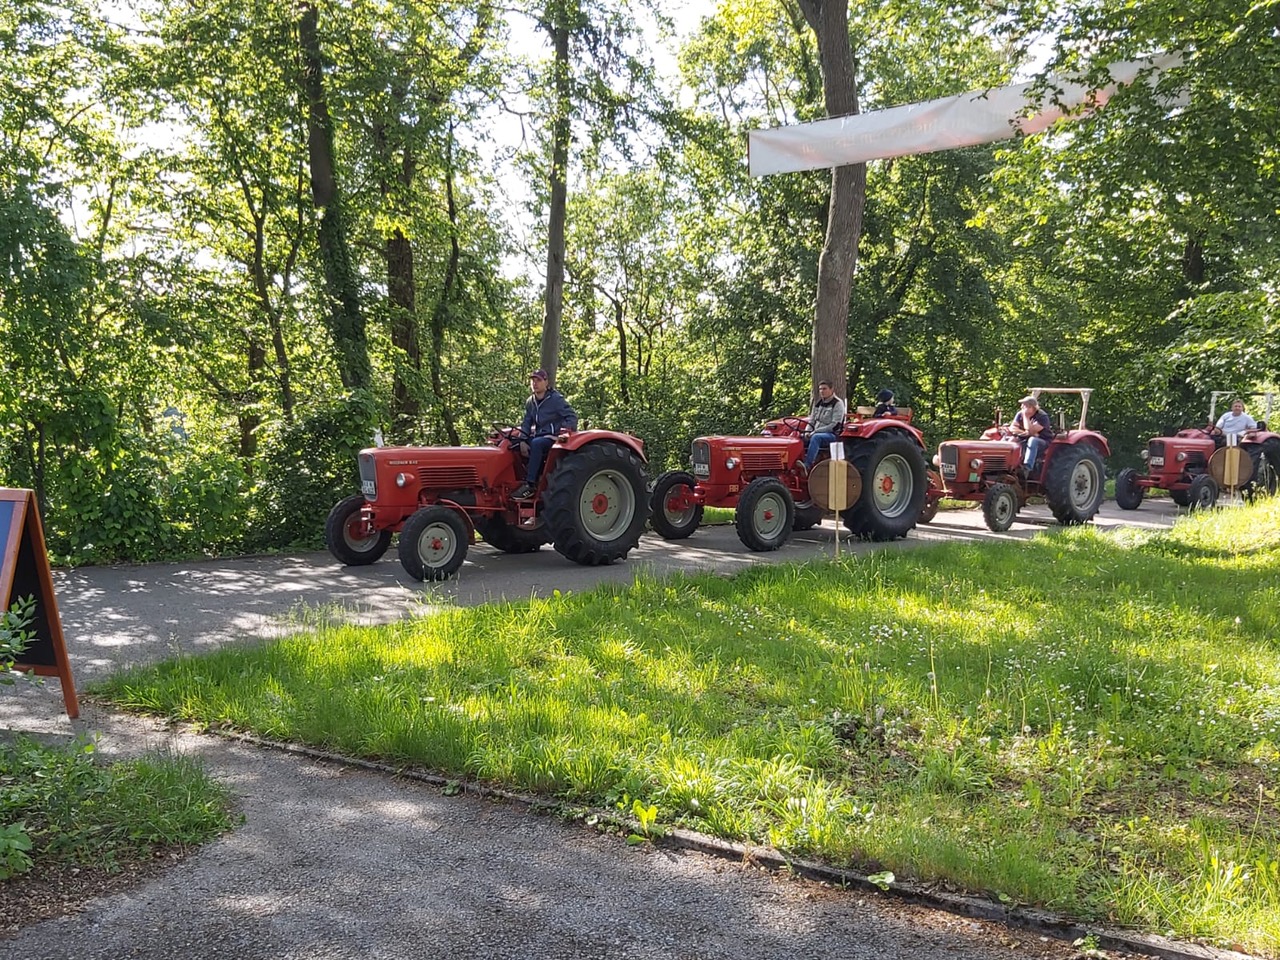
column 768, row 461
column 368, row 476
column 701, row 459
column 448, row 478
column 948, row 457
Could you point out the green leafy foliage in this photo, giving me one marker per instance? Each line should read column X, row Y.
column 14, row 636
column 59, row 805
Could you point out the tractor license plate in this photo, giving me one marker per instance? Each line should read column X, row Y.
column 369, row 488
column 1157, row 461
column 702, row 470
column 949, row 470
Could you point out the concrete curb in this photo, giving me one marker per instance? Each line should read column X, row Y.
column 1027, row 918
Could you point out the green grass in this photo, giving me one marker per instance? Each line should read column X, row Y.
column 59, row 806
column 1084, row 721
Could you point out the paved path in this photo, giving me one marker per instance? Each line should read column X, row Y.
column 335, row 863
column 117, row 616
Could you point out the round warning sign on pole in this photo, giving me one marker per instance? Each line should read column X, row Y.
column 1231, row 468
column 835, row 485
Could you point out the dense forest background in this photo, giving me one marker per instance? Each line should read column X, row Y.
column 235, row 237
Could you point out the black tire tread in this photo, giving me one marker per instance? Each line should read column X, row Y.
column 1057, row 484
column 336, row 523
column 863, row 519
column 657, row 515
column 568, row 537
column 742, row 519
column 412, row 530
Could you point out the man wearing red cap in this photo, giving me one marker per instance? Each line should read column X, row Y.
column 546, row 414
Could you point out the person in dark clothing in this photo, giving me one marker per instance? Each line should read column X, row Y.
column 547, row 414
column 884, row 404
column 1034, row 431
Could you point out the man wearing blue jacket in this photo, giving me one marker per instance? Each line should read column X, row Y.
column 546, row 415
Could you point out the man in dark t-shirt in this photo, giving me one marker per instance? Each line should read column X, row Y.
column 1032, row 428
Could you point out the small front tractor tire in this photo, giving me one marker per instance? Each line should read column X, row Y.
column 1128, row 493
column 894, row 485
column 596, row 503
column 433, row 543
column 765, row 515
column 1073, row 484
column 1181, row 497
column 1203, row 492
column 1000, row 507
column 671, row 514
column 346, row 539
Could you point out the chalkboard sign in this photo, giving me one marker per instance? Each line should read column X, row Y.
column 24, row 572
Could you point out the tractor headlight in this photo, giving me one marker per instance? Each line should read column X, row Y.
column 402, row 479
column 975, row 464
column 731, row 463
column 1182, row 456
column 937, row 460
column 1145, row 454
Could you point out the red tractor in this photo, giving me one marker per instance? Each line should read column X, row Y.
column 591, row 502
column 765, row 481
column 1069, row 474
column 1184, row 463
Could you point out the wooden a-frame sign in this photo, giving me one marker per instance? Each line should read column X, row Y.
column 24, row 572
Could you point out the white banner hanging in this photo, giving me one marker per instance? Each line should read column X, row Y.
column 980, row 116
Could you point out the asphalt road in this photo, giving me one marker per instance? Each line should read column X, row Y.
column 119, row 616
column 333, row 862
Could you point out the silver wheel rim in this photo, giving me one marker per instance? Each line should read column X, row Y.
column 355, row 543
column 436, row 545
column 677, row 518
column 769, row 516
column 1205, row 497
column 1084, row 484
column 892, row 485
column 607, row 505
column 1006, row 508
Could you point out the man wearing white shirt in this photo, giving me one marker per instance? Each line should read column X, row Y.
column 1236, row 421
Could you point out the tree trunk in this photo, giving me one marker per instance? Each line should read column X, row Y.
column 248, row 417
column 342, row 312
column 830, row 22
column 403, row 294
column 560, row 133
column 440, row 316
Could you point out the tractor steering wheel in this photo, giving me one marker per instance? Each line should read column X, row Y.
column 798, row 424
column 507, row 432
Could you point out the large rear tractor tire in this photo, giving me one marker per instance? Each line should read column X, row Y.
column 671, row 513
column 1000, row 507
column 1128, row 493
column 1073, row 484
column 1203, row 493
column 348, row 540
column 1266, row 470
column 596, row 503
column 894, row 484
column 765, row 515
column 433, row 543
column 507, row 537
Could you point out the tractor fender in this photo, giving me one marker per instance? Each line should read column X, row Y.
column 1092, row 438
column 877, row 428
column 581, row 438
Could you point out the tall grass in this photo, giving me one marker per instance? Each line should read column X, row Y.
column 1086, row 722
